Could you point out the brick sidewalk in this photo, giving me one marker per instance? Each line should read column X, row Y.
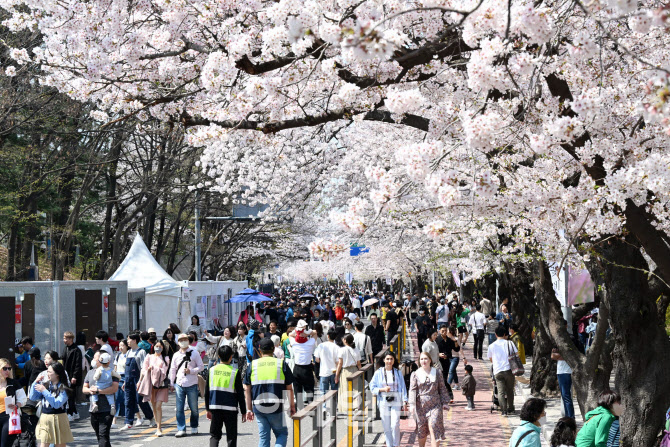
column 466, row 428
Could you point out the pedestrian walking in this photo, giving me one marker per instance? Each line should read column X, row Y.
column 349, row 361
column 53, row 426
column 327, row 355
column 491, row 326
column 186, row 364
column 499, row 353
column 596, row 429
column 170, row 340
column 33, row 367
column 101, row 412
column 533, row 416
column 72, row 361
column 120, row 368
column 12, row 389
column 376, row 333
column 154, row 373
column 303, row 345
column 478, row 324
column 428, row 397
column 196, row 327
column 134, row 362
column 265, row 384
column 454, row 352
column 223, row 395
column 388, row 385
column 469, row 387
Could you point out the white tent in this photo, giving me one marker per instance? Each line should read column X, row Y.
column 162, row 293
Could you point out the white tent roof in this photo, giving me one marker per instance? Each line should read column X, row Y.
column 142, row 271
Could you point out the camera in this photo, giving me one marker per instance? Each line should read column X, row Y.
column 390, row 398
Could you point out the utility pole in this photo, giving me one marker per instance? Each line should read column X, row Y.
column 433, row 281
column 198, row 274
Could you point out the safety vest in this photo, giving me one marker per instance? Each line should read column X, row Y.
column 222, row 388
column 267, row 381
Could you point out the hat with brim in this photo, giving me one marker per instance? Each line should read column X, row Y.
column 182, row 336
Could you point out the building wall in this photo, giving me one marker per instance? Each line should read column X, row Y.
column 55, row 307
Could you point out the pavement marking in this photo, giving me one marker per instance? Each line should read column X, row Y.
column 187, row 412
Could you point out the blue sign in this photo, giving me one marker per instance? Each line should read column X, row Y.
column 356, row 250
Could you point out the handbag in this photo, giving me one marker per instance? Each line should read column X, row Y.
column 515, row 362
column 15, row 422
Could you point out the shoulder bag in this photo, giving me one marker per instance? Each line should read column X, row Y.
column 514, row 362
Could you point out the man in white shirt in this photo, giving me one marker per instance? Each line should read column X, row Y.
column 498, row 353
column 303, row 371
column 478, row 323
column 101, row 338
column 442, row 313
column 326, row 355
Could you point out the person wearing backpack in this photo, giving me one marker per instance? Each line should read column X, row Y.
column 533, row 416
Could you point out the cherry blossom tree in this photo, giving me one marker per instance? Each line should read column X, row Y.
column 458, row 121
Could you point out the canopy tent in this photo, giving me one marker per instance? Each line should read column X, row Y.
column 162, row 293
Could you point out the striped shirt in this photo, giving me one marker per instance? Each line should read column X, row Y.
column 613, row 438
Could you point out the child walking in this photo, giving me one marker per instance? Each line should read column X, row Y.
column 468, row 385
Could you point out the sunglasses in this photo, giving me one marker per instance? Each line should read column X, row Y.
column 6, row 368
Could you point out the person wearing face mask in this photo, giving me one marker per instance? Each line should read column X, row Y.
column 186, row 364
column 155, row 390
column 533, row 416
column 596, row 429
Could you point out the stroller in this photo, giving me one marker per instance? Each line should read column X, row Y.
column 494, row 398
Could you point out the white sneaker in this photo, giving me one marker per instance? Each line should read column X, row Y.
column 194, row 430
column 138, row 422
column 469, row 409
column 180, row 434
column 70, row 418
column 76, row 415
column 125, row 427
column 152, row 423
column 158, row 433
column 114, row 426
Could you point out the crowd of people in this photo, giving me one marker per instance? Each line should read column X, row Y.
column 279, row 355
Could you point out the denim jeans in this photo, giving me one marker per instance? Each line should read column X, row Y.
column 190, row 393
column 132, row 401
column 327, row 383
column 274, row 422
column 492, row 338
column 453, row 375
column 565, row 383
column 120, row 398
column 390, row 415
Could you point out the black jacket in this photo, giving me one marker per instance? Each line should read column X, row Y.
column 72, row 362
column 376, row 335
column 12, row 386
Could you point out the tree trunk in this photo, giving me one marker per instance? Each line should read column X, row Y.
column 543, row 380
column 642, row 349
column 591, row 372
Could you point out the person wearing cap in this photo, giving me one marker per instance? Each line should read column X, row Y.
column 265, row 384
column 101, row 412
column 184, row 369
column 223, row 394
column 24, row 345
column 103, row 379
column 303, row 344
column 33, row 367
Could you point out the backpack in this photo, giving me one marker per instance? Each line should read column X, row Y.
column 442, row 311
column 339, row 313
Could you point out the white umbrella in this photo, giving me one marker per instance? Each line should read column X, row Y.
column 370, row 302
